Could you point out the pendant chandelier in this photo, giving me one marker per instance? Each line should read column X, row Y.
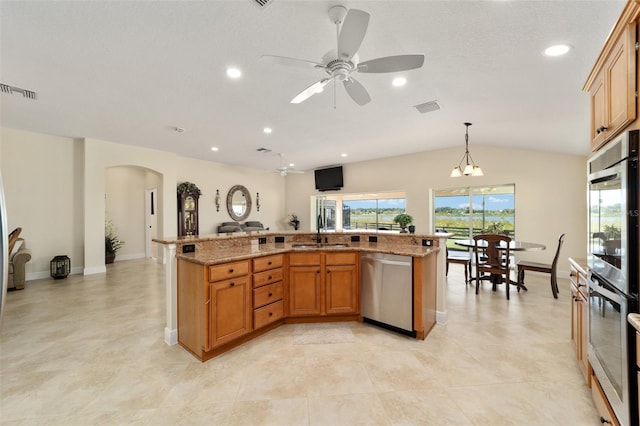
column 469, row 168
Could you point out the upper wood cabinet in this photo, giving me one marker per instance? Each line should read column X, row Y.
column 612, row 84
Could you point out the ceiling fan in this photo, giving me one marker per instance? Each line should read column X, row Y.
column 285, row 170
column 339, row 64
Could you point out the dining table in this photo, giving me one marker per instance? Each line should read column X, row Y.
column 493, row 251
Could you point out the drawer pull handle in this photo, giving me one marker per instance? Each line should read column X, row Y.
column 270, row 314
column 269, row 262
column 269, row 277
column 231, row 271
column 270, row 294
column 232, row 284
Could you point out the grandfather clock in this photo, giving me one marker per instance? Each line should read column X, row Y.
column 188, row 213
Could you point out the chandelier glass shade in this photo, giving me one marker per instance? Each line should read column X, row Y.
column 466, row 167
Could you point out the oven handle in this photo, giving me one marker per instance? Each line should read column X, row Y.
column 611, row 295
column 606, row 174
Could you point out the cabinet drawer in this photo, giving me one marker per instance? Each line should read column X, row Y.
column 267, row 294
column 304, row 259
column 267, row 277
column 228, row 270
column 267, row 262
column 601, row 403
column 267, row 314
column 341, row 258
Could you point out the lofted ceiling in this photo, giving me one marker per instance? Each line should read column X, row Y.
column 131, row 72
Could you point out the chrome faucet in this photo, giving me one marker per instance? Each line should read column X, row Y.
column 319, row 225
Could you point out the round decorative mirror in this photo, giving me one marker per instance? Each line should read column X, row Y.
column 238, row 203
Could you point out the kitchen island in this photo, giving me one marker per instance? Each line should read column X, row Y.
column 232, row 288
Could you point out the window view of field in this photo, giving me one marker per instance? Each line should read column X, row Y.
column 466, row 212
column 372, row 214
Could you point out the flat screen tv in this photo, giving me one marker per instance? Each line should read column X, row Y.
column 329, row 179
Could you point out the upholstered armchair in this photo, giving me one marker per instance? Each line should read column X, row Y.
column 18, row 257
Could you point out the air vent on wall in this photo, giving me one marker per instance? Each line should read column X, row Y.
column 264, row 150
column 5, row 88
column 427, row 107
column 262, row 3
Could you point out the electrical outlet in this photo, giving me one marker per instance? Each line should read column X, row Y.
column 189, row 248
column 373, row 239
column 262, row 240
column 355, row 238
column 279, row 239
column 427, row 242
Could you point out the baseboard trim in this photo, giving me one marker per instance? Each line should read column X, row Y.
column 95, row 270
column 442, row 317
column 170, row 336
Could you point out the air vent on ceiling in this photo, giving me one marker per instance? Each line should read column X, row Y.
column 427, row 107
column 262, row 3
column 263, row 150
column 5, row 88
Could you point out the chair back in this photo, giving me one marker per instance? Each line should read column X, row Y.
column 557, row 255
column 493, row 262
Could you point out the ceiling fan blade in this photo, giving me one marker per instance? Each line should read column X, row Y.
column 295, row 172
column 352, row 33
column 357, row 91
column 392, row 64
column 310, row 91
column 290, row 62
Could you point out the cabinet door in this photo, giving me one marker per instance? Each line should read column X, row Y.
column 597, row 112
column 620, row 74
column 341, row 289
column 230, row 310
column 304, row 290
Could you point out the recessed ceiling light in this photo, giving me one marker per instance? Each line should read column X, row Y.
column 399, row 81
column 557, row 50
column 267, row 130
column 178, row 129
column 343, row 155
column 214, row 148
column 233, row 72
column 291, row 165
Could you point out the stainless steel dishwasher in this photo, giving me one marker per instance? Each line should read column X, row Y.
column 387, row 291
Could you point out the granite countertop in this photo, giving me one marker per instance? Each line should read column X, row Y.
column 579, row 263
column 212, row 256
column 634, row 320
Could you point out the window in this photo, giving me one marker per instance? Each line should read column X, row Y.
column 470, row 211
column 361, row 211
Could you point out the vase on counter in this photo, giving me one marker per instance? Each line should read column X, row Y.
column 412, row 229
column 295, row 224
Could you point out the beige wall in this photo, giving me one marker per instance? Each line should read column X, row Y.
column 550, row 191
column 62, row 209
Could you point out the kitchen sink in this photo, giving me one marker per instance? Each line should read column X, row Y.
column 302, row 246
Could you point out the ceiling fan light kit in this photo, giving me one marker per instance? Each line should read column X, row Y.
column 340, row 64
column 470, row 168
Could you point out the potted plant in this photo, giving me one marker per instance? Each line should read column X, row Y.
column 293, row 221
column 111, row 242
column 403, row 220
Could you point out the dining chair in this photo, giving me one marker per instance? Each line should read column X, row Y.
column 489, row 260
column 546, row 268
column 462, row 257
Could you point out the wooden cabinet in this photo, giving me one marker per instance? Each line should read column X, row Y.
column 612, row 84
column 579, row 315
column 229, row 310
column 268, row 290
column 323, row 283
column 602, row 404
column 214, row 304
column 341, row 272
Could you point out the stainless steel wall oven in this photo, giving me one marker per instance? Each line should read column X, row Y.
column 613, row 271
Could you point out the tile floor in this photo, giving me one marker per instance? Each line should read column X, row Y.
column 90, row 351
